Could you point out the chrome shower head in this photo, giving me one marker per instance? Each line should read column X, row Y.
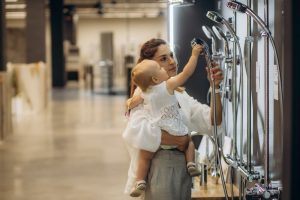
column 214, row 16
column 219, row 33
column 221, row 36
column 237, row 6
column 208, row 32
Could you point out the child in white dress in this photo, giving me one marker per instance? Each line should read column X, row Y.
column 162, row 110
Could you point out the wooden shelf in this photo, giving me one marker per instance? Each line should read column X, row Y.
column 212, row 191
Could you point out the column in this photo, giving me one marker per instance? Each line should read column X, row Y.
column 58, row 66
column 35, row 31
column 2, row 36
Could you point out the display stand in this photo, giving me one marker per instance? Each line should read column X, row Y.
column 211, row 191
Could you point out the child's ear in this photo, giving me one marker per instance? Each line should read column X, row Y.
column 155, row 79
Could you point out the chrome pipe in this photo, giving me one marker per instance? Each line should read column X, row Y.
column 267, row 97
column 249, row 117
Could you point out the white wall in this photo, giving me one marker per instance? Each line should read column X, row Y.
column 128, row 36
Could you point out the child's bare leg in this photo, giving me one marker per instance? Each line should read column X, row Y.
column 143, row 164
column 142, row 171
column 190, row 152
column 190, row 159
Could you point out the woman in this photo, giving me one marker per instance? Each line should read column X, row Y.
column 168, row 178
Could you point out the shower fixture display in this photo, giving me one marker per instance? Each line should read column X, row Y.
column 267, row 191
column 235, row 160
column 216, row 17
column 239, row 7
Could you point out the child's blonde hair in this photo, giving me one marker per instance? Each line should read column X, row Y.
column 143, row 73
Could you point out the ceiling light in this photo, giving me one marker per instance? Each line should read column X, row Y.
column 175, row 1
column 181, row 2
column 15, row 15
column 15, row 6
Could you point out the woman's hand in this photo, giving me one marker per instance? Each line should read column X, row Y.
column 180, row 141
column 214, row 74
column 183, row 142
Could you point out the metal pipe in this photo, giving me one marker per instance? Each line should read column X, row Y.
column 249, row 117
column 267, row 106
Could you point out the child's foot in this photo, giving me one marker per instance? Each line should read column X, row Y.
column 138, row 189
column 192, row 169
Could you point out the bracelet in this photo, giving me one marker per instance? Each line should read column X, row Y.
column 217, row 90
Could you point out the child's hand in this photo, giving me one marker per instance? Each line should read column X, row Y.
column 197, row 49
column 134, row 101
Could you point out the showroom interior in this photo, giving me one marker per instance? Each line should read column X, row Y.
column 65, row 69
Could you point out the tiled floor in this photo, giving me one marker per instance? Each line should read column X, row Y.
column 72, row 151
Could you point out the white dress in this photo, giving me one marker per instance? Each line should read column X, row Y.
column 163, row 109
column 139, row 128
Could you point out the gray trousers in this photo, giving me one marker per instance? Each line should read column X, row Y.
column 168, row 178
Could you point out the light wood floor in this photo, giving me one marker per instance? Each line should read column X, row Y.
column 72, row 151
